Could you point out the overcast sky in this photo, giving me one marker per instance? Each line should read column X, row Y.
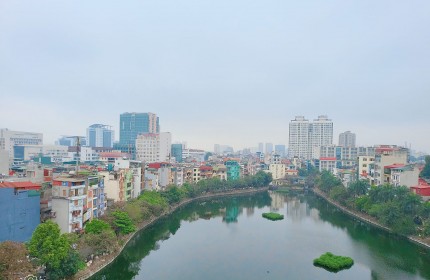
column 218, row 71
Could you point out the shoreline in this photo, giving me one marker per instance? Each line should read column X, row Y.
column 368, row 219
column 106, row 260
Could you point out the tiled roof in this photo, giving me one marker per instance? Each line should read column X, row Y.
column 20, row 185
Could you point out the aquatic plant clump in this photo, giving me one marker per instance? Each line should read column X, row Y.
column 333, row 263
column 273, row 216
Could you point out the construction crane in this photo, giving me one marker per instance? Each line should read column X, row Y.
column 78, row 149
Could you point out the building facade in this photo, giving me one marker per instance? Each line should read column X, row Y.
column 20, row 210
column 133, row 124
column 347, row 139
column 100, row 135
column 304, row 136
column 9, row 139
column 148, row 147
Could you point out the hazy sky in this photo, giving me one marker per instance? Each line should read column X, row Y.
column 218, row 71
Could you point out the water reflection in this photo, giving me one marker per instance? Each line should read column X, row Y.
column 378, row 255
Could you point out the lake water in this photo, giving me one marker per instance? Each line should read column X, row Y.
column 226, row 238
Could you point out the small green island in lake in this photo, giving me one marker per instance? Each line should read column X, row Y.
column 333, row 263
column 273, row 216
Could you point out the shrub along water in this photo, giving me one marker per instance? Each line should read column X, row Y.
column 398, row 208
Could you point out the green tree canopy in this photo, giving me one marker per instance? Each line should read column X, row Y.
column 96, row 226
column 122, row 222
column 48, row 245
column 425, row 173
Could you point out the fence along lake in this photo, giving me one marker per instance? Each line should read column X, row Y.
column 227, row 238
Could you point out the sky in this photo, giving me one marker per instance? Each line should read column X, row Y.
column 218, row 71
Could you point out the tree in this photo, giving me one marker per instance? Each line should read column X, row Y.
column 68, row 266
column 48, row 245
column 102, row 242
column 359, row 188
column 425, row 173
column 122, row 222
column 96, row 226
column 14, row 263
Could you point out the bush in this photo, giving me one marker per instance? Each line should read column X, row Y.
column 333, row 263
column 96, row 226
column 273, row 216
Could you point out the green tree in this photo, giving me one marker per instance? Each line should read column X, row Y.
column 425, row 173
column 96, row 226
column 99, row 243
column 68, row 266
column 359, row 188
column 122, row 222
column 48, row 245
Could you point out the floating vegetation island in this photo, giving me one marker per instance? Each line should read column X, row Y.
column 333, row 263
column 273, row 216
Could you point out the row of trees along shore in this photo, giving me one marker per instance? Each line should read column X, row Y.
column 63, row 255
column 397, row 208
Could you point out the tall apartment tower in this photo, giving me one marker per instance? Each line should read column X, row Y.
column 321, row 132
column 304, row 136
column 299, row 138
column 100, row 135
column 347, row 139
column 133, row 124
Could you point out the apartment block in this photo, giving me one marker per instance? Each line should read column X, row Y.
column 387, row 155
column 68, row 202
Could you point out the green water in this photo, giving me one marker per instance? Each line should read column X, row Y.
column 227, row 238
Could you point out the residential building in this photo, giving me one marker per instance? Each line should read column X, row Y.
column 20, row 210
column 304, row 136
column 148, row 147
column 366, row 168
column 68, row 201
column 220, row 171
column 402, row 174
column 277, row 168
column 165, row 146
column 386, row 155
column 9, row 139
column 233, row 170
column 133, row 124
column 119, row 185
column 193, row 155
column 330, row 157
column 177, row 176
column 100, row 135
column 137, row 169
column 206, row 172
column 347, row 139
column 298, row 144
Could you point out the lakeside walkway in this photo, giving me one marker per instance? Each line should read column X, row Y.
column 103, row 261
column 369, row 219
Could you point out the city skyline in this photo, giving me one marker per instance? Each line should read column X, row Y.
column 218, row 72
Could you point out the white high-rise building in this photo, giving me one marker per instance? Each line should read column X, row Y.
column 299, row 138
column 347, row 139
column 165, row 146
column 304, row 136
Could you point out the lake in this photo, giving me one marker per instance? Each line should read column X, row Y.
column 227, row 238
